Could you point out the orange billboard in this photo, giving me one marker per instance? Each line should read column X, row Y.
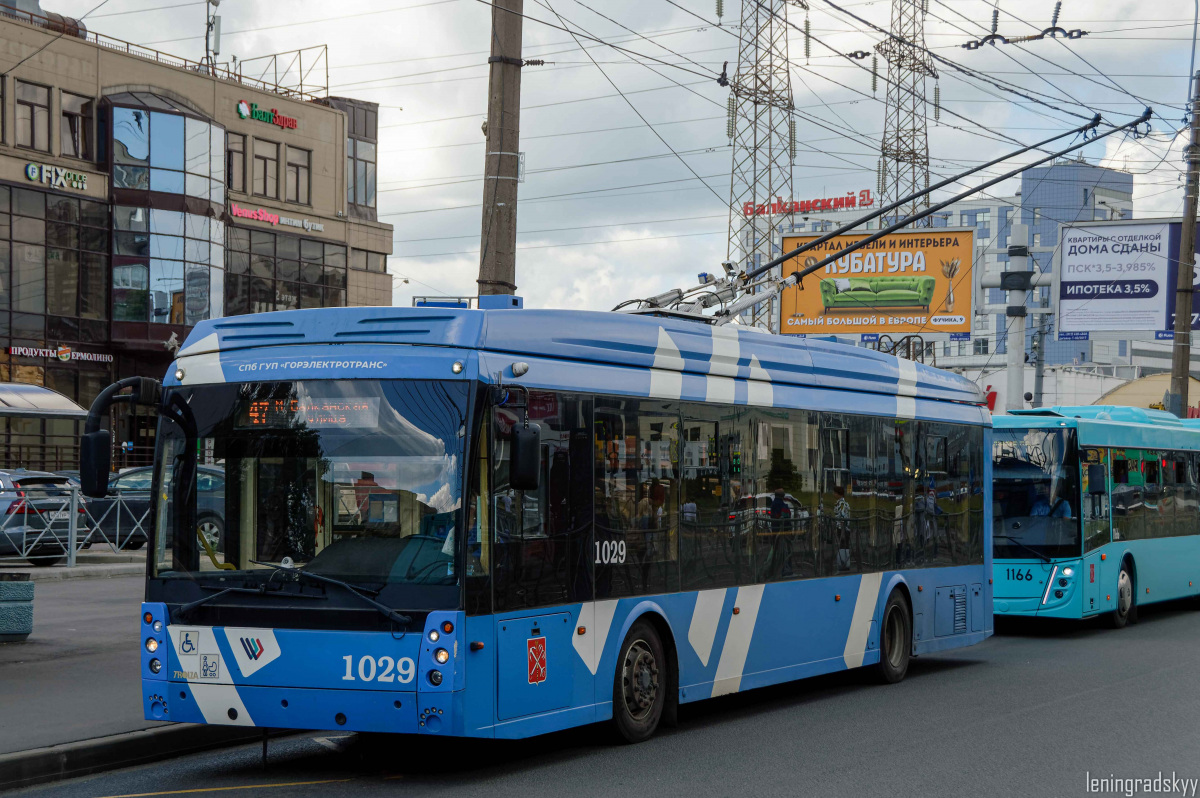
column 912, row 282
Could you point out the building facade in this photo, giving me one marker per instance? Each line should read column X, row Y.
column 140, row 194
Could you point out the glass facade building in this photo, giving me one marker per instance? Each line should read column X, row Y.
column 168, row 197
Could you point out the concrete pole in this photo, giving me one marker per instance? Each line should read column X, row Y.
column 1181, row 352
column 1017, row 281
column 498, row 241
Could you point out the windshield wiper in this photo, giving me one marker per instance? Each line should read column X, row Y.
column 1040, row 556
column 361, row 592
column 261, row 590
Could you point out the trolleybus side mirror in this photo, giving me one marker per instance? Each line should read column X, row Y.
column 524, row 467
column 1097, row 480
column 95, row 462
column 95, row 445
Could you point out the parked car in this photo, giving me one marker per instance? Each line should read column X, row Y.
column 35, row 515
column 126, row 508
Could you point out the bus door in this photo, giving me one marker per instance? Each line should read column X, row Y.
column 1096, row 526
column 541, row 555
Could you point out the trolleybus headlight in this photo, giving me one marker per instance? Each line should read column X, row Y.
column 1058, row 594
column 433, row 635
column 158, row 626
column 155, row 665
column 147, row 618
column 435, row 678
column 442, row 656
column 1063, row 583
column 447, row 627
column 1068, row 572
column 151, row 645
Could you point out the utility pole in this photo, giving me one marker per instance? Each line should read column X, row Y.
column 498, row 242
column 1181, row 353
column 1017, row 280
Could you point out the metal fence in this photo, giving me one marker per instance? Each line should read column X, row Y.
column 51, row 525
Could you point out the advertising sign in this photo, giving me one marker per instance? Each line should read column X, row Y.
column 917, row 281
column 1113, row 277
column 1173, row 259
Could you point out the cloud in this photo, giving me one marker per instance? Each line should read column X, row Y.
column 432, row 62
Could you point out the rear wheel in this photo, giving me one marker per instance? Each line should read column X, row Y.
column 640, row 684
column 1126, row 610
column 895, row 639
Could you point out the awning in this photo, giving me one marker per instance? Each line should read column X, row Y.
column 22, row 400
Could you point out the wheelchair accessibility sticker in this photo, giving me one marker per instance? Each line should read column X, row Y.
column 197, row 656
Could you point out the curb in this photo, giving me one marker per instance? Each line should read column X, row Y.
column 60, row 573
column 71, row 760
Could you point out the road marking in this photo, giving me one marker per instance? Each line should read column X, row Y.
column 227, row 789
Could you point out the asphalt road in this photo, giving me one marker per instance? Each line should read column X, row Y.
column 1028, row 713
column 71, row 679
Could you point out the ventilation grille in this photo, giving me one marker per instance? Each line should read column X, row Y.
column 960, row 611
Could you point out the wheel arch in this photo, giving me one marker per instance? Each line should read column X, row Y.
column 897, row 583
column 654, row 614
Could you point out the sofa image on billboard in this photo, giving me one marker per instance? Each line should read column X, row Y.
column 859, row 293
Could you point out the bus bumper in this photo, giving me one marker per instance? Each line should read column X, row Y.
column 303, row 708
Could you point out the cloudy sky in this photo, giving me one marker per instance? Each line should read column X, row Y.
column 607, row 211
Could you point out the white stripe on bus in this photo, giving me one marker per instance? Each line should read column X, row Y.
column 860, row 622
column 705, row 618
column 737, row 640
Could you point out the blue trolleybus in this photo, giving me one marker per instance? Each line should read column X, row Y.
column 1097, row 510
column 500, row 523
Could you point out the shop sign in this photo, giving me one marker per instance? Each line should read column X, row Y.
column 64, row 353
column 263, row 215
column 56, row 176
column 272, row 117
column 859, row 199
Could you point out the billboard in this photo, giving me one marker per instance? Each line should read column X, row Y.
column 1114, row 278
column 917, row 281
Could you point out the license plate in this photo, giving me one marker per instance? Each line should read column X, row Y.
column 60, row 515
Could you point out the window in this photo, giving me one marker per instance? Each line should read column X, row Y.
column 980, row 346
column 33, row 116
column 983, row 218
column 360, row 156
column 636, row 492
column 298, row 165
column 527, row 572
column 266, row 169
column 76, row 131
column 235, row 161
column 364, row 174
column 716, row 544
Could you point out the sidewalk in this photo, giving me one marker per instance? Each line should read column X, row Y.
column 71, row 693
column 77, row 676
column 99, row 562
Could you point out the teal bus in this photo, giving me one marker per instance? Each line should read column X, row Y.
column 1096, row 511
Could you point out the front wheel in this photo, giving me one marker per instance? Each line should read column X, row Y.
column 895, row 639
column 1126, row 610
column 640, row 684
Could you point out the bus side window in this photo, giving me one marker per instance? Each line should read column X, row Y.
column 1095, row 499
column 542, row 537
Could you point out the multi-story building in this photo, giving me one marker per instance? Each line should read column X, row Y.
column 141, row 193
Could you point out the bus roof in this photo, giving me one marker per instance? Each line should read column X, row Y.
column 1110, row 425
column 645, row 342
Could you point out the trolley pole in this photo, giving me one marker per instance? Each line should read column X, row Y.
column 498, row 241
column 1181, row 352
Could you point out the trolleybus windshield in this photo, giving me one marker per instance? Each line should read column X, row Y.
column 356, row 480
